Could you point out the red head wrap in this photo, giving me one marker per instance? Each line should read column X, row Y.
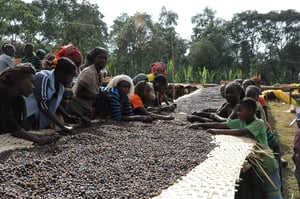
column 159, row 65
column 71, row 52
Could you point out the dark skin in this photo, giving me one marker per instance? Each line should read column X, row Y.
column 100, row 62
column 64, row 79
column 232, row 96
column 215, row 128
column 124, row 89
column 148, row 94
column 25, row 87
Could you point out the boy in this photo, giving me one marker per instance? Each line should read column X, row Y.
column 249, row 126
column 30, row 57
column 296, row 155
column 45, row 101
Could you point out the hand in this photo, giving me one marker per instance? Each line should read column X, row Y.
column 211, row 131
column 194, row 126
column 68, row 129
column 147, row 118
column 52, row 133
column 45, row 140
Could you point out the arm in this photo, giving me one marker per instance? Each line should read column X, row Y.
column 83, row 93
column 215, row 125
column 234, row 132
column 39, row 139
column 57, row 121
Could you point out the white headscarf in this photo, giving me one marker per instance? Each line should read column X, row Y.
column 117, row 79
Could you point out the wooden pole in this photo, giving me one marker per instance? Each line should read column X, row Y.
column 173, row 70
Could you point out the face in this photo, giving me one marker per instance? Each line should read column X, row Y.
column 29, row 51
column 26, row 86
column 232, row 94
column 100, row 60
column 243, row 112
column 66, row 79
column 158, row 71
column 11, row 52
column 124, row 88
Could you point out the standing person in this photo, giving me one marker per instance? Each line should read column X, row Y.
column 296, row 155
column 45, row 101
column 86, row 88
column 16, row 82
column 7, row 58
column 30, row 57
column 249, row 126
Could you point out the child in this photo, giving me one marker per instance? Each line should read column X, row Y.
column 143, row 93
column 7, row 58
column 16, row 82
column 233, row 94
column 30, row 57
column 249, row 126
column 86, row 88
column 296, row 155
column 160, row 86
column 120, row 89
column 45, row 101
column 157, row 68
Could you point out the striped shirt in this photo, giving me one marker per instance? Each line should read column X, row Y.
column 119, row 105
column 34, row 60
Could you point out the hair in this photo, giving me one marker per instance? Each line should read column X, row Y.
column 28, row 45
column 117, row 79
column 140, row 88
column 248, row 103
column 139, row 77
column 13, row 74
column 253, row 90
column 95, row 52
column 6, row 46
column 65, row 65
column 41, row 52
column 160, row 79
column 238, row 87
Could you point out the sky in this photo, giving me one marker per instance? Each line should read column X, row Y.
column 186, row 9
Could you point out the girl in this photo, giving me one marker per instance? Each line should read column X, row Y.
column 120, row 89
column 233, row 94
column 143, row 93
column 86, row 88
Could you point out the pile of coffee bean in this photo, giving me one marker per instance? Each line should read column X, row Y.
column 106, row 160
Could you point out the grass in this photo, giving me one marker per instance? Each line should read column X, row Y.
column 280, row 117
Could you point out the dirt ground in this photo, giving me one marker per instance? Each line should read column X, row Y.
column 111, row 159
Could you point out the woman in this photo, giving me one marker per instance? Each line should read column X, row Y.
column 16, row 82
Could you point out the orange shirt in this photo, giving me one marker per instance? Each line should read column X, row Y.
column 262, row 101
column 136, row 102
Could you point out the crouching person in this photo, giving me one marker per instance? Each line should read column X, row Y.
column 16, row 82
column 45, row 101
column 118, row 107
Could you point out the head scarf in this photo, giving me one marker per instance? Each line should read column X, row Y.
column 71, row 52
column 117, row 79
column 14, row 74
column 159, row 65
